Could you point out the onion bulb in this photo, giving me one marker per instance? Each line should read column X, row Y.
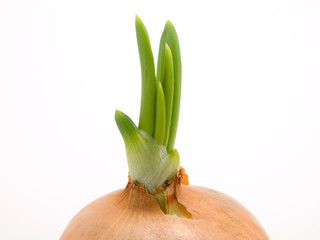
column 158, row 202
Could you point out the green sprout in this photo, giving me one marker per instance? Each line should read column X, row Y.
column 151, row 157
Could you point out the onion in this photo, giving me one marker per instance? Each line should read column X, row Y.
column 158, row 202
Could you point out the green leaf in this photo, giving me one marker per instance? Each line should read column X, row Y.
column 168, row 87
column 170, row 37
column 148, row 90
column 160, row 119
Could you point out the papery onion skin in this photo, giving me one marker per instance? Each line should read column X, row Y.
column 133, row 213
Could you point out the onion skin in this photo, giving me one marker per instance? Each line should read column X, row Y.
column 132, row 213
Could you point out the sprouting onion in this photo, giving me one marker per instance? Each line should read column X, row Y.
column 158, row 202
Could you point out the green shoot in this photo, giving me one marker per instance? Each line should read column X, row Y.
column 168, row 87
column 150, row 155
column 160, row 119
column 148, row 90
column 169, row 37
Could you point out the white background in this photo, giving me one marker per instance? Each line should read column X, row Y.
column 249, row 120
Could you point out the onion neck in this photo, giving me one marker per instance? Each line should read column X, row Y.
column 149, row 162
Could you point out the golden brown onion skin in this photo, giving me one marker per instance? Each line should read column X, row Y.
column 132, row 213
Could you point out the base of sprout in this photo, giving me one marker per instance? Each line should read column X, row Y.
column 165, row 195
